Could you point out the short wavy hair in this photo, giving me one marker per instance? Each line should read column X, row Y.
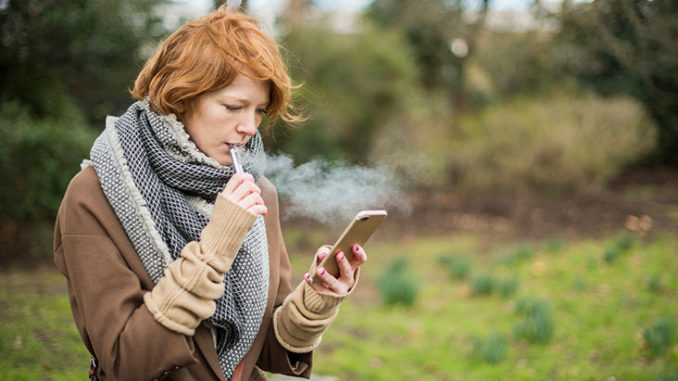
column 207, row 54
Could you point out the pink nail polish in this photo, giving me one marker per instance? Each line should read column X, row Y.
column 322, row 271
column 340, row 256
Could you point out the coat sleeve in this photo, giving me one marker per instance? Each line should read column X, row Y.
column 274, row 358
column 106, row 294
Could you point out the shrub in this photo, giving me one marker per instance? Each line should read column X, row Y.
column 38, row 157
column 660, row 336
column 458, row 267
column 483, row 284
column 623, row 243
column 654, row 284
column 611, row 255
column 492, row 350
column 506, row 287
column 537, row 325
column 396, row 285
column 564, row 142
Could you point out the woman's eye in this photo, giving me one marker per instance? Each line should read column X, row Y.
column 261, row 111
column 233, row 108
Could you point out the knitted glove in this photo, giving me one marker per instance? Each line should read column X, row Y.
column 304, row 316
column 186, row 294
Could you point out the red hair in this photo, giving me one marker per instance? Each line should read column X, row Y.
column 207, row 54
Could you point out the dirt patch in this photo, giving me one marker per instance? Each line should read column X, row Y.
column 642, row 200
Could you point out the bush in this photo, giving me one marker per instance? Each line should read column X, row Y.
column 624, row 243
column 564, row 142
column 492, row 350
column 537, row 325
column 483, row 284
column 654, row 284
column 38, row 157
column 396, row 285
column 457, row 267
column 487, row 284
column 611, row 255
column 660, row 336
column 506, row 287
column 350, row 90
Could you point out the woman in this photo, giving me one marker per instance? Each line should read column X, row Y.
column 176, row 265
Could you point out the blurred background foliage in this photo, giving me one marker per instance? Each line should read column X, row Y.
column 433, row 88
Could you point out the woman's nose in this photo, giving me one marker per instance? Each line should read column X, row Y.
column 248, row 124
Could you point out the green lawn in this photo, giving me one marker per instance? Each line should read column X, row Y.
column 601, row 304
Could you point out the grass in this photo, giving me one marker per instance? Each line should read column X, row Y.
column 600, row 312
column 38, row 339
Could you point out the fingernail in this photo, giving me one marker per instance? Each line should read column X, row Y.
column 356, row 248
column 322, row 271
column 340, row 256
column 307, row 276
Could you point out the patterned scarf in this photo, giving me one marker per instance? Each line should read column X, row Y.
column 162, row 189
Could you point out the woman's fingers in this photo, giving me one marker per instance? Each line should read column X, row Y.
column 254, row 204
column 330, row 282
column 326, row 282
column 322, row 253
column 235, row 181
column 346, row 271
column 359, row 256
column 242, row 190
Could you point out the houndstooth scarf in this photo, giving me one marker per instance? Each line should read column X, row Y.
column 162, row 189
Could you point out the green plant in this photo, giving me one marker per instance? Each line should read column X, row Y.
column 654, row 284
column 459, row 267
column 506, row 287
column 519, row 146
column 537, row 325
column 396, row 285
column 492, row 349
column 524, row 251
column 624, row 243
column 668, row 375
column 483, row 284
column 611, row 255
column 660, row 337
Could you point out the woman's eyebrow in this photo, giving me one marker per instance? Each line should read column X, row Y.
column 247, row 101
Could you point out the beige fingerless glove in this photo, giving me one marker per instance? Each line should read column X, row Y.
column 185, row 295
column 304, row 316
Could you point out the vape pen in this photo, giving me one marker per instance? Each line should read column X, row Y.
column 235, row 157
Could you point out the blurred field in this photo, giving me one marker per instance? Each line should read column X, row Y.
column 603, row 266
column 600, row 311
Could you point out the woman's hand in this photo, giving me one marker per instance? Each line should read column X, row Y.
column 243, row 191
column 340, row 286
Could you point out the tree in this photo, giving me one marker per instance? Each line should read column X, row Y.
column 432, row 27
column 634, row 52
column 89, row 50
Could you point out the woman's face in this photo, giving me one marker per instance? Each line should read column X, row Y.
column 229, row 115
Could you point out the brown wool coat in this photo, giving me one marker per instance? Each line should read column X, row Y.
column 107, row 281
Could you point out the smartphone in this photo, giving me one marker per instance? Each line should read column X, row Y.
column 357, row 232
